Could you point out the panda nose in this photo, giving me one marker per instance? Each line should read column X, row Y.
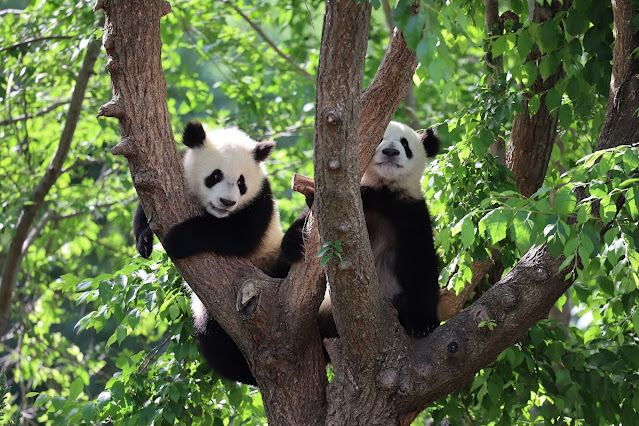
column 227, row 203
column 390, row 152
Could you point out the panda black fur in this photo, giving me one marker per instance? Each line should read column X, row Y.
column 400, row 229
column 224, row 169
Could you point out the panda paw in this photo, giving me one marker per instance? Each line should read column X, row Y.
column 418, row 323
column 144, row 243
column 174, row 247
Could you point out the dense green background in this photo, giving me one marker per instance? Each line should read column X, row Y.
column 98, row 334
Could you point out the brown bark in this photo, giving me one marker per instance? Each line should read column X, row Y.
column 621, row 125
column 381, row 98
column 25, row 222
column 532, row 137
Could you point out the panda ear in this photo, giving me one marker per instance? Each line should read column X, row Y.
column 263, row 150
column 430, row 141
column 194, row 134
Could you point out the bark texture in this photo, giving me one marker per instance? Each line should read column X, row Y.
column 621, row 125
column 27, row 217
column 532, row 137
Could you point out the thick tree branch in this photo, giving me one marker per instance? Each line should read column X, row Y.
column 532, row 137
column 337, row 200
column 28, row 215
column 381, row 98
column 621, row 125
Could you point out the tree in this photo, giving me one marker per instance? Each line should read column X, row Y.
column 573, row 228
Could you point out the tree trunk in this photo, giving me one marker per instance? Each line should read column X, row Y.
column 621, row 125
column 532, row 137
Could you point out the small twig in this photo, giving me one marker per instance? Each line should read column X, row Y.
column 270, row 42
column 8, row 11
column 82, row 164
column 153, row 354
column 24, row 117
column 34, row 40
column 302, row 184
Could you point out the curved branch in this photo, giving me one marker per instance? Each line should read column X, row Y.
column 24, row 117
column 270, row 42
column 28, row 215
column 382, row 97
column 34, row 40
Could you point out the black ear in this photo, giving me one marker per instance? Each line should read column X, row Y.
column 430, row 141
column 194, row 134
column 263, row 150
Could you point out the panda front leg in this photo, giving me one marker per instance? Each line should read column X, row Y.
column 417, row 267
column 142, row 232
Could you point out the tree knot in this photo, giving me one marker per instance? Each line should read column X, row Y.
column 248, row 298
column 331, row 116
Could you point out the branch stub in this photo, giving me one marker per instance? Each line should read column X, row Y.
column 248, row 298
column 331, row 116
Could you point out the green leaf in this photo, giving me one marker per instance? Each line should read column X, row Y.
column 565, row 201
column 500, row 45
column 76, row 387
column 88, row 412
column 41, row 400
column 496, row 223
column 548, row 65
column 635, row 321
column 607, row 209
column 549, row 36
column 325, row 260
column 468, row 232
column 103, row 399
column 174, row 312
column 120, row 333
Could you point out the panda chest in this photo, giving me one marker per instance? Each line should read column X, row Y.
column 382, row 236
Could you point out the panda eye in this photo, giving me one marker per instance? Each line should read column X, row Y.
column 242, row 185
column 407, row 150
column 213, row 178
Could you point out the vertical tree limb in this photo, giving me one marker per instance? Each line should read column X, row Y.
column 532, row 137
column 621, row 125
column 27, row 217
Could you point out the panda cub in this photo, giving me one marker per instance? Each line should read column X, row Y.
column 224, row 169
column 400, row 229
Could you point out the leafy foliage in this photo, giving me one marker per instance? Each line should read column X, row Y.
column 118, row 348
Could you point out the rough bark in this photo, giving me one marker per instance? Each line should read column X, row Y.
column 532, row 137
column 621, row 125
column 27, row 217
column 381, row 98
column 361, row 315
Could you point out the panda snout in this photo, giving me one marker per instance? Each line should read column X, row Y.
column 227, row 203
column 390, row 152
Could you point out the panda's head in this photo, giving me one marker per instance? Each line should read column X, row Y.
column 223, row 168
column 400, row 159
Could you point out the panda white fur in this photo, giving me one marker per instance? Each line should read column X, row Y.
column 400, row 230
column 224, row 169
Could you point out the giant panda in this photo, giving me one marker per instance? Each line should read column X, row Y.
column 224, row 170
column 400, row 230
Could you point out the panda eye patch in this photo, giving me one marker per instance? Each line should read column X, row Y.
column 408, row 151
column 242, row 185
column 213, row 178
